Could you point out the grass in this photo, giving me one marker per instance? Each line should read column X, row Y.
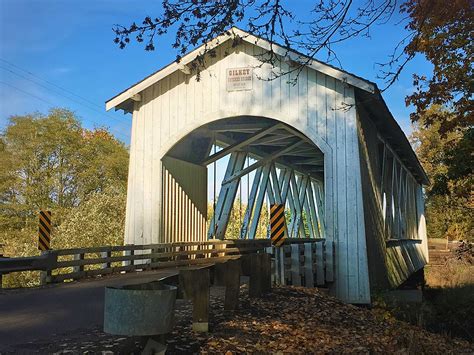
column 448, row 301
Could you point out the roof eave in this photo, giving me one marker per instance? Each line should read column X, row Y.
column 389, row 124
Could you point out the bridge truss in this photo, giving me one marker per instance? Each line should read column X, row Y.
column 287, row 168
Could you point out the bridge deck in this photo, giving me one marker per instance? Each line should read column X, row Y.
column 31, row 314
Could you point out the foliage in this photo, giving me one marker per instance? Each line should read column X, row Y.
column 448, row 160
column 448, row 299
column 447, row 310
column 452, row 311
column 98, row 221
column 198, row 21
column 51, row 162
column 444, row 35
column 453, row 273
column 20, row 242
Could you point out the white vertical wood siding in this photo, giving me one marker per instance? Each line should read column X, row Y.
column 317, row 106
column 184, row 199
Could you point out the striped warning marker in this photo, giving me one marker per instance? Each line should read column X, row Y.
column 277, row 224
column 44, row 230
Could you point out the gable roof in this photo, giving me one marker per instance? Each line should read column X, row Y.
column 366, row 89
column 234, row 32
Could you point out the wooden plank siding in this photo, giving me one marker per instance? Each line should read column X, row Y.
column 393, row 210
column 184, row 219
column 316, row 106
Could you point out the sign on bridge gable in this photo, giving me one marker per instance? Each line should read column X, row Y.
column 239, row 79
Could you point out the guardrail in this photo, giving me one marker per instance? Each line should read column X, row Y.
column 72, row 264
column 296, row 257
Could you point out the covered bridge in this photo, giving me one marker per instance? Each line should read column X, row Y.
column 318, row 139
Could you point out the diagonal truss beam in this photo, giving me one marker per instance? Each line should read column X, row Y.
column 261, row 162
column 236, row 146
column 260, row 198
column 250, row 204
column 299, row 195
column 226, row 197
column 313, row 211
column 319, row 196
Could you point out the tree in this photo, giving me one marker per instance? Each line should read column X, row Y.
column 448, row 161
column 442, row 33
column 52, row 162
column 97, row 221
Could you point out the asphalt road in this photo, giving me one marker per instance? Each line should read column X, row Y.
column 41, row 313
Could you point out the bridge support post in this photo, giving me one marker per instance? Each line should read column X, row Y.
column 266, row 270
column 228, row 275
column 258, row 268
column 194, row 285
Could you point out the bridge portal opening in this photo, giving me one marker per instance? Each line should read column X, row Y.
column 219, row 181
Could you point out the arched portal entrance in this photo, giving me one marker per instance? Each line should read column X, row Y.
column 266, row 162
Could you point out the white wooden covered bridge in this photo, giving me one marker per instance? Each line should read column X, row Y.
column 325, row 145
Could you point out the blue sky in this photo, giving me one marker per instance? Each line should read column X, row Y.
column 50, row 45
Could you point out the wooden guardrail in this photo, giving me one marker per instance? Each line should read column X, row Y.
column 303, row 262
column 106, row 260
column 77, row 263
column 72, row 264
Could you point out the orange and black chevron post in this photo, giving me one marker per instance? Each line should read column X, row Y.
column 277, row 224
column 44, row 230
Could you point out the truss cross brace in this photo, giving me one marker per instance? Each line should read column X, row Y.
column 226, row 197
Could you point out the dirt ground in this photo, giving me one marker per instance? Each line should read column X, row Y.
column 287, row 320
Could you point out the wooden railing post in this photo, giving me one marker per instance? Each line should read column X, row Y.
column 106, row 255
column 308, row 265
column 128, row 253
column 132, row 252
column 295, row 265
column 45, row 275
column 329, row 248
column 273, row 265
column 194, row 285
column 320, row 264
column 280, row 256
column 78, row 268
